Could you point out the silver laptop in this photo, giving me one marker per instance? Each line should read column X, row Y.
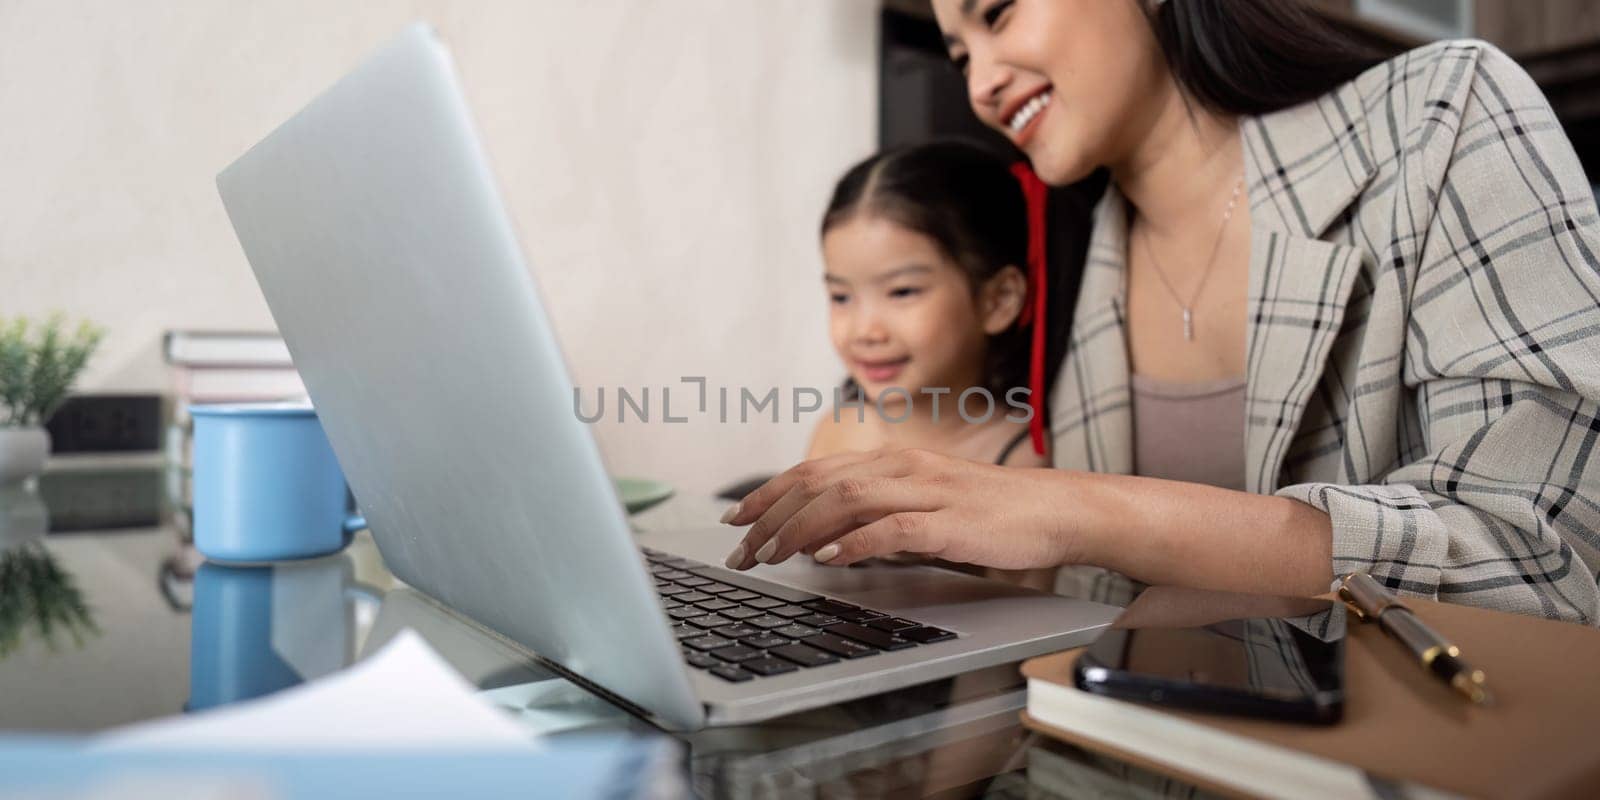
column 374, row 226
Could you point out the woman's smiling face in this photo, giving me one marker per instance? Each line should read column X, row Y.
column 902, row 314
column 1070, row 82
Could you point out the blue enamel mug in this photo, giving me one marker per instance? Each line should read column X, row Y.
column 267, row 486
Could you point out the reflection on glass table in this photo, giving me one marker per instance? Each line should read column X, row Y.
column 258, row 629
column 255, row 630
column 38, row 598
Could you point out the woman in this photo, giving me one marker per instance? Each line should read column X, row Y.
column 1407, row 301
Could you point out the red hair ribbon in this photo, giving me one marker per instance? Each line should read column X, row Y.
column 1034, row 192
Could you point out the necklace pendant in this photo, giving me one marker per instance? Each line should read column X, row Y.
column 1188, row 325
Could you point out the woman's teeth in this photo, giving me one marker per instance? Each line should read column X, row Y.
column 1028, row 111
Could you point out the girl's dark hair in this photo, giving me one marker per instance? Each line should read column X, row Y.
column 965, row 198
column 1251, row 57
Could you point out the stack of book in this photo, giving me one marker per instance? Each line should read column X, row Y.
column 222, row 367
column 219, row 367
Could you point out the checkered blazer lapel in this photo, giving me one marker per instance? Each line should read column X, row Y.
column 1090, row 408
column 1304, row 167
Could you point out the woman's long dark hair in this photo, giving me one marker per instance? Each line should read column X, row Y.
column 1232, row 57
column 1252, row 57
column 964, row 197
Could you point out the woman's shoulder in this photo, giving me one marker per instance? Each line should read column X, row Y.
column 1421, row 97
column 1415, row 122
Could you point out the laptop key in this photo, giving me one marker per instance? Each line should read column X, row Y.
column 709, row 621
column 669, row 574
column 740, row 612
column 767, row 622
column 730, row 672
column 860, row 615
column 700, row 660
column 670, row 604
column 767, row 665
column 685, row 612
column 736, row 653
column 716, row 588
column 693, row 597
column 790, row 612
column 817, row 620
column 692, row 580
column 766, row 602
column 680, row 562
column 838, row 645
column 756, row 585
column 795, row 631
column 686, row 631
column 804, row 655
column 765, row 640
column 707, row 642
column 892, row 624
column 742, row 596
column 737, row 631
column 716, row 604
column 926, row 634
column 672, row 589
column 865, row 635
column 829, row 607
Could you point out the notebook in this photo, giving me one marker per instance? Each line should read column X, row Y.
column 1538, row 740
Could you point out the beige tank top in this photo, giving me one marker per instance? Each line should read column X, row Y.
column 1189, row 431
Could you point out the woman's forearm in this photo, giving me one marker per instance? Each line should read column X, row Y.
column 1167, row 532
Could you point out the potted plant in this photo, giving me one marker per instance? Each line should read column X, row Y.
column 38, row 364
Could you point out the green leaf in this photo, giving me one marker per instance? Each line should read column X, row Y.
column 38, row 364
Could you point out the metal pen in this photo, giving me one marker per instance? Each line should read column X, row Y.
column 1371, row 601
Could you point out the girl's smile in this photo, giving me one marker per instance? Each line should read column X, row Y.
column 881, row 371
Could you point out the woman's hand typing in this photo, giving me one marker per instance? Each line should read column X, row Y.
column 854, row 506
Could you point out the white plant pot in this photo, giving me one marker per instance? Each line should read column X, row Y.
column 23, row 516
column 23, row 452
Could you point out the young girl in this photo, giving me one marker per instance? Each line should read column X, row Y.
column 933, row 292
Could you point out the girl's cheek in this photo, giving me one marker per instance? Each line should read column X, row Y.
column 838, row 328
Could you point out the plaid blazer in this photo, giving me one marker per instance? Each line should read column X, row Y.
column 1423, row 351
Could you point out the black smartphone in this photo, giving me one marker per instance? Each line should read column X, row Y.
column 1253, row 655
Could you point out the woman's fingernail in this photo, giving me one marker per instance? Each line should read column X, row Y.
column 826, row 554
column 767, row 550
column 732, row 513
column 736, row 557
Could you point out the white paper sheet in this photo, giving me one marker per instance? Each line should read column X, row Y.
column 404, row 696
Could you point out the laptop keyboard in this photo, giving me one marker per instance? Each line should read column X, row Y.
column 739, row 627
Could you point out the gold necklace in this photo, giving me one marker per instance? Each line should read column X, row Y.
column 1188, row 308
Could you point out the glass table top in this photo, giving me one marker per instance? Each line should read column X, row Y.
column 109, row 617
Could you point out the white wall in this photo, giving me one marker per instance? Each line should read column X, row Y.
column 666, row 162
